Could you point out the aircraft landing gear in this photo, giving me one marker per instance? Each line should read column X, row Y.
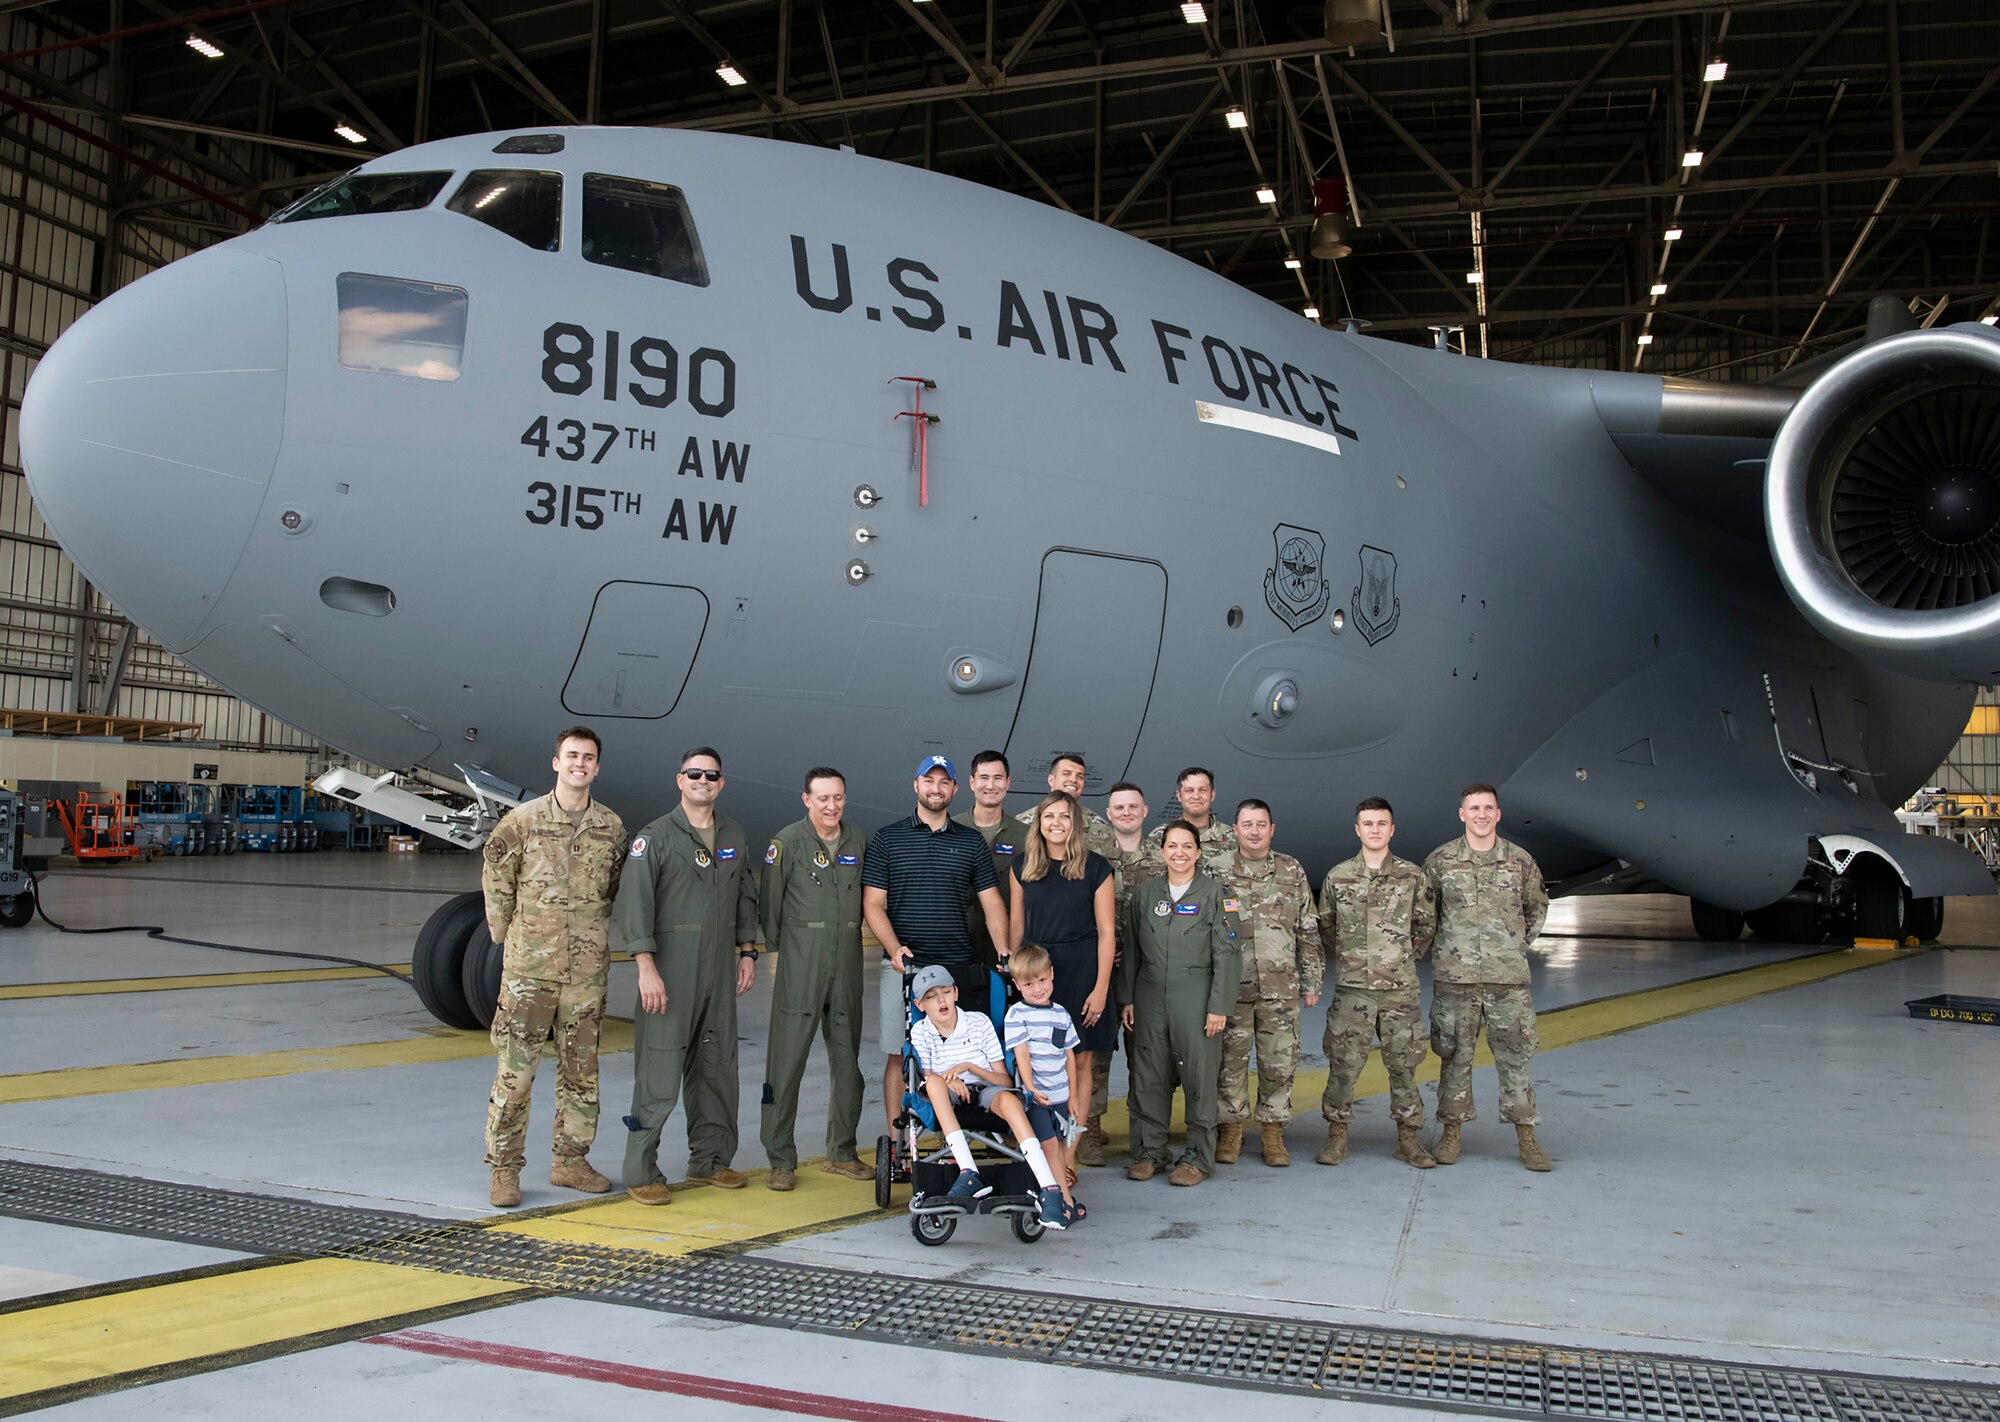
column 438, row 965
column 1789, row 921
column 1924, row 919
column 1715, row 925
column 1878, row 898
column 481, row 973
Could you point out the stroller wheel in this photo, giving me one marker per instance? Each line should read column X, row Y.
column 1028, row 1227
column 885, row 1170
column 933, row 1227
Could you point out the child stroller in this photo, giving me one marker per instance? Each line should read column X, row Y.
column 930, row 1172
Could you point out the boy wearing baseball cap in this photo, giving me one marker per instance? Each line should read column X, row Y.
column 962, row 1063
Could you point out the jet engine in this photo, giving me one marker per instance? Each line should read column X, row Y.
column 1882, row 503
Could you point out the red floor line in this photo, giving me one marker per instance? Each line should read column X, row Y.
column 568, row 1365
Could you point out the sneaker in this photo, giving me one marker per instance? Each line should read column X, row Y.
column 1054, row 1214
column 969, row 1186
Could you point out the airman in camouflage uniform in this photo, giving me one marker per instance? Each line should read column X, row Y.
column 1195, row 792
column 1380, row 918
column 1491, row 903
column 1282, row 962
column 1125, row 807
column 992, row 777
column 551, row 871
column 1067, row 773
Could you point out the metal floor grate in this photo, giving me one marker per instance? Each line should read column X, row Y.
column 1277, row 1355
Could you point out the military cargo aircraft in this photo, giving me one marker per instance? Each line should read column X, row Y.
column 710, row 439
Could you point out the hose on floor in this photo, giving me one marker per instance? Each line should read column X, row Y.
column 155, row 931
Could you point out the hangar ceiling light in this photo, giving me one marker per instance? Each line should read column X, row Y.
column 1293, row 264
column 1672, row 234
column 350, row 133
column 728, row 74
column 1267, row 194
column 1195, row 13
column 1717, row 71
column 205, row 48
column 1691, row 158
column 1647, row 339
column 1236, row 118
column 1312, row 313
column 1659, row 288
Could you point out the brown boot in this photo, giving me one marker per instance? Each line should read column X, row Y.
column 1274, row 1144
column 781, row 1179
column 1411, row 1150
column 723, row 1179
column 1141, row 1170
column 1532, row 1154
column 1335, row 1149
column 656, row 1193
column 1447, row 1146
column 847, row 1169
column 1186, row 1174
column 1228, row 1144
column 506, row 1191
column 1090, row 1145
column 573, row 1172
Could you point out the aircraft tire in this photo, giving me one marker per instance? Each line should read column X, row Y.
column 17, row 911
column 1715, row 925
column 1924, row 919
column 1787, row 922
column 437, row 966
column 480, row 974
column 1879, row 898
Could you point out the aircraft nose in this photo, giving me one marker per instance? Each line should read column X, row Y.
column 150, row 430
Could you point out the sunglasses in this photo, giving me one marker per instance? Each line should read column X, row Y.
column 702, row 774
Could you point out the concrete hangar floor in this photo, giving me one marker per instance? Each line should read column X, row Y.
column 238, row 1185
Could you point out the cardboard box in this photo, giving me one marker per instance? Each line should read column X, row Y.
column 402, row 844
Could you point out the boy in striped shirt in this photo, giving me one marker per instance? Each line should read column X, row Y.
column 1043, row 1040
column 963, row 1065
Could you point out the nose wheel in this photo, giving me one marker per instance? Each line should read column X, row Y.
column 438, row 964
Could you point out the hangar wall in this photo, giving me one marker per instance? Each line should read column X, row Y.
column 61, row 249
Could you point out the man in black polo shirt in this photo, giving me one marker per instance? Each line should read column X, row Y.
column 916, row 878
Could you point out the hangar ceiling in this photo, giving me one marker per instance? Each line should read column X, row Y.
column 1848, row 151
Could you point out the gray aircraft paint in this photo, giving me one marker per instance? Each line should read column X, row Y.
column 1514, row 602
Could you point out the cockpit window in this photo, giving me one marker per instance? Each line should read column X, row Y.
column 640, row 227
column 360, row 193
column 401, row 327
column 520, row 202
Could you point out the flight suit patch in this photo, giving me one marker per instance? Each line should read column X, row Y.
column 701, row 859
column 771, row 854
column 1162, row 909
column 999, row 848
column 725, row 854
column 820, row 860
column 639, row 847
column 850, row 859
column 1185, row 909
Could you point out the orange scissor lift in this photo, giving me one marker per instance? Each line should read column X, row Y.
column 99, row 827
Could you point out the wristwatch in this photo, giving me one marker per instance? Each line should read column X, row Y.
column 750, row 953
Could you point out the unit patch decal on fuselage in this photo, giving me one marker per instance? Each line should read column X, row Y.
column 1068, row 327
column 1295, row 585
column 1376, row 607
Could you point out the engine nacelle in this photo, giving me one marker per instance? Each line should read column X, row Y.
column 1882, row 503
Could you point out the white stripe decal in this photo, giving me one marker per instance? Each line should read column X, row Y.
column 1264, row 425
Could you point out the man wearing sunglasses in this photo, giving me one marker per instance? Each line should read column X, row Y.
column 687, row 910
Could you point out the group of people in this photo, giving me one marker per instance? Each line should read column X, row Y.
column 1199, row 943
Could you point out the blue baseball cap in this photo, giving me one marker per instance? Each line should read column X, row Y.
column 936, row 762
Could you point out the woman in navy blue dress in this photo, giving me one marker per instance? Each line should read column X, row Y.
column 1064, row 899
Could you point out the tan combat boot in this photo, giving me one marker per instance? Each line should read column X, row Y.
column 506, row 1191
column 1335, row 1149
column 576, row 1173
column 1411, row 1150
column 1141, row 1170
column 1228, row 1144
column 1274, row 1144
column 1532, row 1154
column 1187, row 1174
column 656, row 1193
column 781, row 1179
column 1447, row 1146
column 1090, row 1145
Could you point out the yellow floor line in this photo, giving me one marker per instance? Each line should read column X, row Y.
column 74, row 1343
column 445, row 1046
column 88, row 987
column 1559, row 1028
